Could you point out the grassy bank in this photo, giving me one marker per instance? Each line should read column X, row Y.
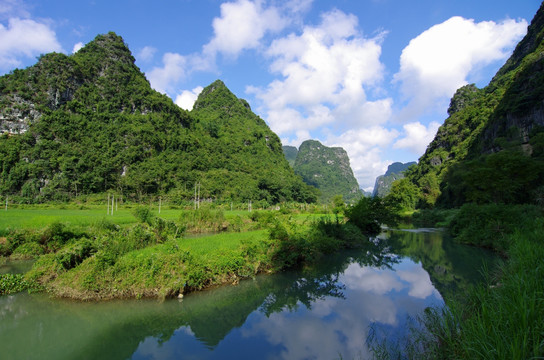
column 152, row 256
column 501, row 318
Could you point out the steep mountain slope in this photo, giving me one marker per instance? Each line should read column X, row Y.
column 394, row 172
column 90, row 122
column 290, row 153
column 328, row 169
column 490, row 133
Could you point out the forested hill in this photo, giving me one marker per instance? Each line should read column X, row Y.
column 491, row 147
column 290, row 153
column 328, row 169
column 394, row 172
column 90, row 123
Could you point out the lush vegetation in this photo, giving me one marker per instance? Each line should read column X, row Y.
column 327, row 169
column 493, row 137
column 154, row 257
column 384, row 182
column 501, row 318
column 94, row 125
column 482, row 178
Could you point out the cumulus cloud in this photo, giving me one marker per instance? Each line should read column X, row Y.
column 187, row 98
column 163, row 79
column 241, row 26
column 77, row 47
column 416, row 137
column 324, row 71
column 25, row 38
column 146, row 54
column 438, row 61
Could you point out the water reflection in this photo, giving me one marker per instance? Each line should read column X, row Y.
column 321, row 312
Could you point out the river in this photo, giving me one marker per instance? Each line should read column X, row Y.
column 323, row 312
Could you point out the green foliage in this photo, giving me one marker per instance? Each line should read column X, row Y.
column 103, row 129
column 425, row 218
column 501, row 318
column 491, row 225
column 293, row 244
column 508, row 177
column 14, row 283
column 327, row 169
column 368, row 214
column 404, row 193
column 290, row 153
column 144, row 215
column 484, row 130
column 204, row 220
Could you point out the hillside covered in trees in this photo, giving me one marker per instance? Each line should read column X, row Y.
column 326, row 168
column 394, row 172
column 491, row 147
column 90, row 123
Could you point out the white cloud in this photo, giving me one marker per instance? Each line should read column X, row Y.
column 13, row 8
column 187, row 98
column 174, row 69
column 364, row 150
column 77, row 47
column 242, row 25
column 439, row 61
column 146, row 54
column 25, row 38
column 417, row 137
column 324, row 70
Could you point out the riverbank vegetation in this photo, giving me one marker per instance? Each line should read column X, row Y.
column 502, row 317
column 160, row 257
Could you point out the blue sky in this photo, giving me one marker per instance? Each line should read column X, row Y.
column 372, row 76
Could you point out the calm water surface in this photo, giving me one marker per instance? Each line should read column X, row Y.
column 321, row 313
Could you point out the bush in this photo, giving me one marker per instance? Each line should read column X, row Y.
column 432, row 218
column 143, row 215
column 370, row 213
column 14, row 283
column 29, row 250
column 490, row 225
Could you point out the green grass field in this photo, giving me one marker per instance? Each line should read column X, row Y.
column 39, row 218
column 15, row 219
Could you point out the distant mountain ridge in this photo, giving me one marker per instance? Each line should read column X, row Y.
column 326, row 168
column 90, row 123
column 394, row 172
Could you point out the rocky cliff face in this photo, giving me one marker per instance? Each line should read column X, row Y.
column 328, row 169
column 394, row 172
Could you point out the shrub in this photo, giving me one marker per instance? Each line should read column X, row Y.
column 14, row 283
column 370, row 213
column 489, row 225
column 143, row 215
column 29, row 250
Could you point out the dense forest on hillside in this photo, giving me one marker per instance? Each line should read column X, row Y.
column 490, row 148
column 90, row 123
column 328, row 169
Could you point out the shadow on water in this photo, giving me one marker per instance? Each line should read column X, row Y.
column 34, row 326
